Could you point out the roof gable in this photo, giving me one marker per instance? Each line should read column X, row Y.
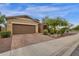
column 21, row 16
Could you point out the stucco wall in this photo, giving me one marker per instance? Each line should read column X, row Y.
column 21, row 21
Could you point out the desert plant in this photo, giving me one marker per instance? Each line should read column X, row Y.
column 55, row 23
column 5, row 34
column 62, row 31
column 3, row 21
column 45, row 32
column 51, row 31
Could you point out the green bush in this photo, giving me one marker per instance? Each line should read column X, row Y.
column 58, row 31
column 45, row 32
column 51, row 31
column 62, row 31
column 76, row 28
column 5, row 34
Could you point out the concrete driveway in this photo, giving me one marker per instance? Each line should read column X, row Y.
column 22, row 40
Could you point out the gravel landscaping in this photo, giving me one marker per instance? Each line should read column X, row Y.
column 59, row 36
column 5, row 44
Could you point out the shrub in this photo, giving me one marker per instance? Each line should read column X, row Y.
column 51, row 31
column 58, row 31
column 76, row 28
column 45, row 32
column 5, row 34
column 62, row 31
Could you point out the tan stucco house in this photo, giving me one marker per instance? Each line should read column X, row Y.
column 22, row 25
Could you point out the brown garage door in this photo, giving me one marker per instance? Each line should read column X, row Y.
column 23, row 29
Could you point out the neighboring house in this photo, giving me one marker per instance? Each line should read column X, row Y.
column 22, row 25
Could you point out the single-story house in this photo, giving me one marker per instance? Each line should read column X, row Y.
column 23, row 25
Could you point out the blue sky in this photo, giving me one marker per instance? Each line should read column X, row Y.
column 69, row 11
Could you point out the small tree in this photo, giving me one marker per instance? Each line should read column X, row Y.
column 55, row 24
column 3, row 21
column 48, row 21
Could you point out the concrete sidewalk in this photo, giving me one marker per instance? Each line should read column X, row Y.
column 48, row 48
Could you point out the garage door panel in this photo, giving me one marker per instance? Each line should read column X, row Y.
column 23, row 29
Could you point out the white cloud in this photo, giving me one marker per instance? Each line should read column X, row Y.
column 39, row 11
column 42, row 8
column 4, row 4
column 32, row 10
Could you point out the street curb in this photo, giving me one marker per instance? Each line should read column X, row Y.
column 71, row 49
